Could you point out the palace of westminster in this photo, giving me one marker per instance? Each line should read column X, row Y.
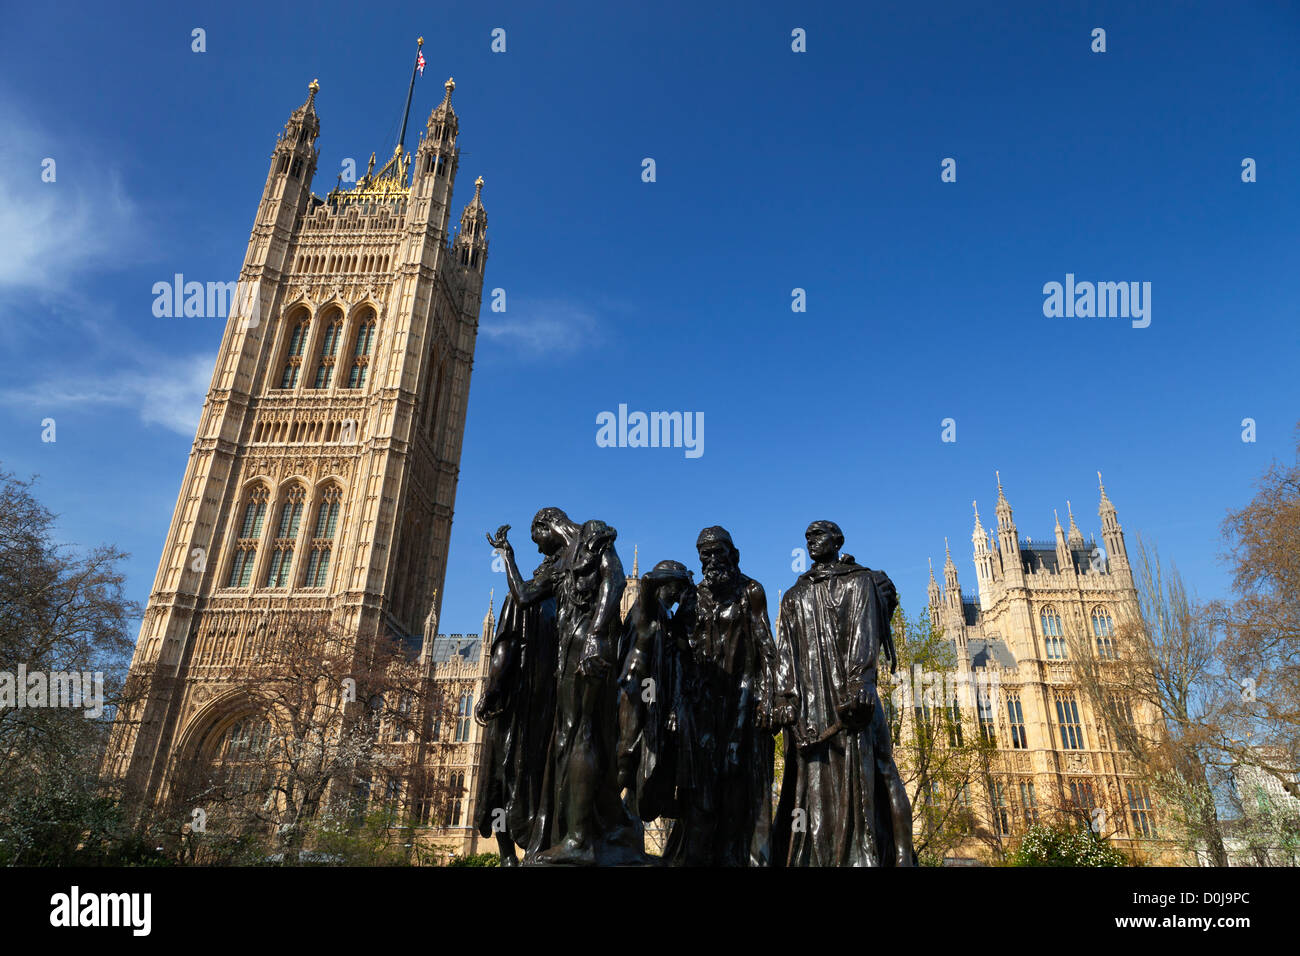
column 323, row 476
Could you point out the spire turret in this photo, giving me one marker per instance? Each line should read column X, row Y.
column 443, row 124
column 1076, row 536
column 471, row 242
column 304, row 124
column 1008, row 540
column 1111, row 532
column 935, row 597
column 984, row 575
column 436, row 161
column 489, row 619
column 1063, row 560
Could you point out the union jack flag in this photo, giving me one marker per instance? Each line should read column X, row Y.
column 419, row 63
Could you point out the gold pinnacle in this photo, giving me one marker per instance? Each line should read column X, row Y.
column 314, row 86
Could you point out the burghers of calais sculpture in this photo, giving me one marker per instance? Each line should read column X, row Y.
column 518, row 702
column 654, row 722
column 578, row 817
column 677, row 706
column 842, row 801
column 725, row 805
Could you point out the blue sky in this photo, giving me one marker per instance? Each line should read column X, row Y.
column 775, row 170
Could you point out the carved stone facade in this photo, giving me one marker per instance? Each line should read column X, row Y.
column 1037, row 604
column 323, row 475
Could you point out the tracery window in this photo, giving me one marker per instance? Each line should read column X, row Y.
column 362, row 344
column 293, row 353
column 250, row 532
column 954, row 723
column 984, row 708
column 1067, row 718
column 322, row 539
column 1139, row 804
column 463, row 714
column 286, row 534
column 457, row 793
column 1001, row 807
column 328, row 347
column 1028, row 802
column 240, row 756
column 1016, row 717
column 1103, row 630
column 1053, row 636
column 1082, row 794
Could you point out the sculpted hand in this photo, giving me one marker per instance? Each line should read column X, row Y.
column 498, row 541
column 593, row 663
column 488, row 708
column 857, row 710
column 783, row 714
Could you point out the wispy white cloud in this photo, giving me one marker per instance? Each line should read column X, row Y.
column 542, row 329
column 163, row 391
column 50, row 232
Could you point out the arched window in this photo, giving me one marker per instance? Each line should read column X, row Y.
column 286, row 534
column 1103, row 630
column 364, row 341
column 1053, row 637
column 463, row 714
column 328, row 347
column 240, row 756
column 322, row 538
column 293, row 354
column 456, row 788
column 1067, row 719
column 250, row 532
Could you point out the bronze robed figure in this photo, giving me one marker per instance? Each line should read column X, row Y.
column 578, row 817
column 725, row 754
column 654, row 722
column 842, row 801
column 517, row 708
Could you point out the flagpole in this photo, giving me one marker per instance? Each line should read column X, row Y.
column 401, row 140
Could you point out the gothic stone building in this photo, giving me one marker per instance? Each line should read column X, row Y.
column 323, row 475
column 1012, row 642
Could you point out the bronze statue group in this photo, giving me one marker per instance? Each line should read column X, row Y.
column 595, row 725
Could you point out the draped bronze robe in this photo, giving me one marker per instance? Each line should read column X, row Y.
column 834, row 809
column 515, row 744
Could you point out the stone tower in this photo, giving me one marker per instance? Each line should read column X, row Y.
column 323, row 475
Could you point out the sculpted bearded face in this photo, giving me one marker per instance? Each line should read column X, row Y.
column 717, row 562
column 824, row 540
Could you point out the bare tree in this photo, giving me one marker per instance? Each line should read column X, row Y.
column 1260, row 648
column 64, row 624
column 942, row 748
column 335, row 729
column 1156, row 688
